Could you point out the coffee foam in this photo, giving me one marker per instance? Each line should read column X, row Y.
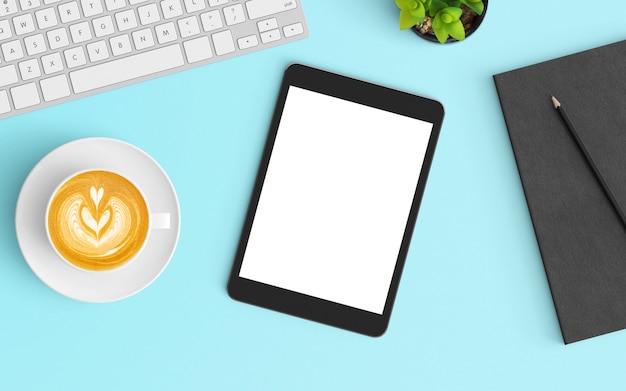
column 98, row 220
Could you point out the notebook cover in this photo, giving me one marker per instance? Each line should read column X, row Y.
column 581, row 239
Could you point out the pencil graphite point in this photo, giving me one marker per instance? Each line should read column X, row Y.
column 555, row 102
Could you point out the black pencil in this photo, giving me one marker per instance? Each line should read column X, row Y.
column 592, row 165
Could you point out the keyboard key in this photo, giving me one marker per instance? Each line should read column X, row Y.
column 5, row 30
column 113, row 5
column 148, row 14
column 247, row 42
column 8, row 75
column 194, row 5
column 223, row 42
column 80, row 32
column 293, row 30
column 198, row 49
column 97, row 51
column 262, row 8
column 126, row 20
column 8, row 7
column 58, row 38
column 234, row 14
column 24, row 24
column 166, row 32
column 171, row 8
column 211, row 20
column 267, row 24
column 5, row 106
column 29, row 69
column 46, row 18
column 215, row 3
column 75, row 57
column 29, row 4
column 25, row 96
column 143, row 39
column 91, row 7
column 103, row 26
column 52, row 63
column 69, row 12
column 127, row 68
column 55, row 88
column 188, row 27
column 12, row 50
column 35, row 44
column 270, row 36
column 120, row 45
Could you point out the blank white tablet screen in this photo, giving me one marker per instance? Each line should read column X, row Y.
column 336, row 199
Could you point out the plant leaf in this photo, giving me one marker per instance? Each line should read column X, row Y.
column 456, row 30
column 455, row 3
column 441, row 35
column 477, row 5
column 404, row 4
column 418, row 12
column 407, row 20
column 435, row 7
column 455, row 13
column 438, row 23
column 439, row 28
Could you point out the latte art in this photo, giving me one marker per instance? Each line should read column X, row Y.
column 98, row 220
column 100, row 231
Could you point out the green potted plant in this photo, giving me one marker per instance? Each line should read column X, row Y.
column 442, row 20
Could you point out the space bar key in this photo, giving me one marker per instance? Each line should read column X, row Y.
column 127, row 68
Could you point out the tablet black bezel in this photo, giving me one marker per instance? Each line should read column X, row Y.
column 302, row 305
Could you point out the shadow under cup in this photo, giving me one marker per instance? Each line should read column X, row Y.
column 99, row 220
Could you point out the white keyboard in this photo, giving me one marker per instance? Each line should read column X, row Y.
column 53, row 51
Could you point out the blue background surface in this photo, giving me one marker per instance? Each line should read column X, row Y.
column 473, row 310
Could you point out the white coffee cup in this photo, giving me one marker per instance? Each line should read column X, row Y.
column 99, row 220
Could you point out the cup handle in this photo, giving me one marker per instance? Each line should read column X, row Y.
column 160, row 220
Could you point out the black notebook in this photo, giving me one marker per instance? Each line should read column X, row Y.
column 581, row 239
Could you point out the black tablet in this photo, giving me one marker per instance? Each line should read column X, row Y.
column 335, row 200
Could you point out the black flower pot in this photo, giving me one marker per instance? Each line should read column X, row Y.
column 478, row 19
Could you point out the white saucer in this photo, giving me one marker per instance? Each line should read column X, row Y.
column 83, row 154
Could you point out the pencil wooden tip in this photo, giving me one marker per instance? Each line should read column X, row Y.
column 555, row 102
